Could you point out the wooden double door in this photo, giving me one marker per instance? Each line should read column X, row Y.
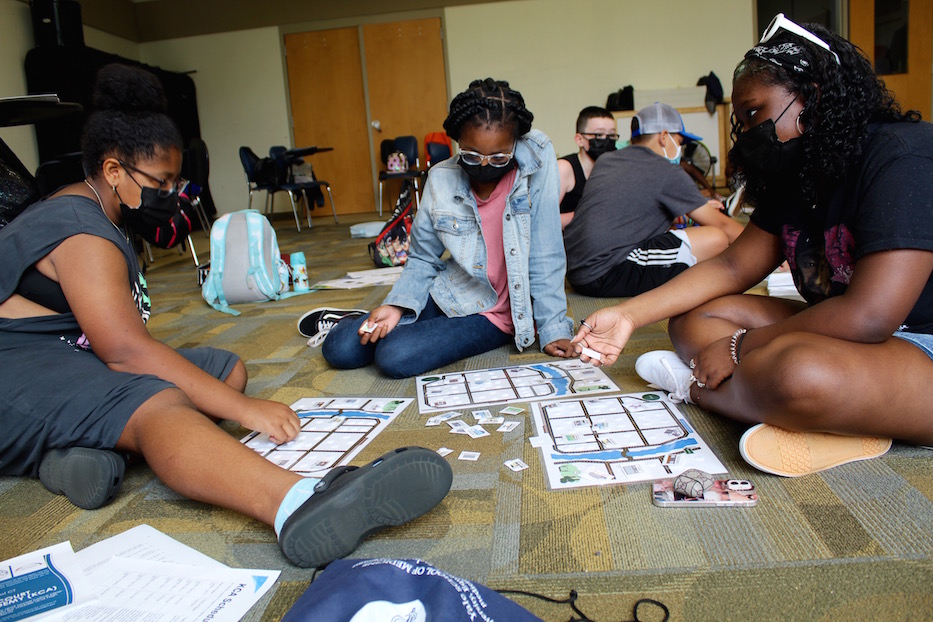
column 344, row 81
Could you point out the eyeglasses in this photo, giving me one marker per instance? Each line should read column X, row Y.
column 780, row 22
column 599, row 135
column 496, row 159
column 162, row 190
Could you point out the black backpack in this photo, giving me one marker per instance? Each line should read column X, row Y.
column 18, row 188
column 623, row 99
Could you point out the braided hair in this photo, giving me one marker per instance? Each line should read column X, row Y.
column 840, row 100
column 488, row 103
column 129, row 120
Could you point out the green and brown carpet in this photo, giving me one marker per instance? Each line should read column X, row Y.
column 851, row 543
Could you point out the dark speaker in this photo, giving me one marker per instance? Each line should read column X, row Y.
column 57, row 23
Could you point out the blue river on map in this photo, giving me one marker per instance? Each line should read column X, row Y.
column 648, row 452
column 561, row 384
column 334, row 413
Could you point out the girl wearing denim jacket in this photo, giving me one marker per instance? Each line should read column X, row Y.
column 486, row 263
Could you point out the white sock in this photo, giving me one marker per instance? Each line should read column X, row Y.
column 294, row 498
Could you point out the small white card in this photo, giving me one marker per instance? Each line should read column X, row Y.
column 490, row 421
column 539, row 441
column 511, row 410
column 444, row 451
column 508, row 426
column 516, row 465
column 593, row 354
column 472, row 456
column 481, row 414
column 439, row 419
column 458, row 427
column 476, row 431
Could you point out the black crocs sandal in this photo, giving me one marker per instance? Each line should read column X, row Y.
column 90, row 478
column 351, row 503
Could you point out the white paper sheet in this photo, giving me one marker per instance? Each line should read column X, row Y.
column 45, row 580
column 140, row 574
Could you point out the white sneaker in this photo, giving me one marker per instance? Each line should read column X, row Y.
column 664, row 370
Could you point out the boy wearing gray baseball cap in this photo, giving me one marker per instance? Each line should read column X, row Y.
column 620, row 241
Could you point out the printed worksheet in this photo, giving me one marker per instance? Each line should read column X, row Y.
column 333, row 431
column 619, row 439
column 506, row 385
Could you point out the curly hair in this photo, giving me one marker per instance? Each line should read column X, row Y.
column 129, row 120
column 840, row 100
column 486, row 103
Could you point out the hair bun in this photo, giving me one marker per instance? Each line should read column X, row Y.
column 128, row 89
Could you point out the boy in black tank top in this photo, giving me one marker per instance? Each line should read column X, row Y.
column 596, row 134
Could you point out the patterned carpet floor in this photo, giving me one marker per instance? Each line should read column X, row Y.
column 852, row 543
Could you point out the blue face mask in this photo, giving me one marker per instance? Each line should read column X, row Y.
column 677, row 154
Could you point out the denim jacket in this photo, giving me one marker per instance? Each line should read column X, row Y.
column 448, row 220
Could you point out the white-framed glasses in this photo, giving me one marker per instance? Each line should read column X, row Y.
column 780, row 22
column 495, row 159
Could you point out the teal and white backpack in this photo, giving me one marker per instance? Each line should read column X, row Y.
column 246, row 265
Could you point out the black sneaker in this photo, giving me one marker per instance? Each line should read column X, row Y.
column 90, row 478
column 316, row 323
column 351, row 503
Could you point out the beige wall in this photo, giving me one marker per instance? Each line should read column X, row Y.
column 560, row 55
column 100, row 40
column 240, row 82
column 563, row 56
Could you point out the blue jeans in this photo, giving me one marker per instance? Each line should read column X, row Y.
column 434, row 340
column 921, row 340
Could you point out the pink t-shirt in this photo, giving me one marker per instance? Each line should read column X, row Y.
column 490, row 211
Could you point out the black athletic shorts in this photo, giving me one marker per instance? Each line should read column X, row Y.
column 54, row 394
column 651, row 264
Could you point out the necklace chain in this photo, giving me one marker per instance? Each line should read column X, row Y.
column 101, row 203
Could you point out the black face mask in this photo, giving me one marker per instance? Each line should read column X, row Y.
column 488, row 173
column 761, row 156
column 599, row 146
column 154, row 212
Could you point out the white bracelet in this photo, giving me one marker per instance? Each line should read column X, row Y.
column 734, row 344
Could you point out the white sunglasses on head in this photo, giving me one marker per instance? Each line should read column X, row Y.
column 780, row 22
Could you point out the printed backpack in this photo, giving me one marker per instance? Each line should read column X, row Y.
column 246, row 265
column 390, row 248
column 396, row 162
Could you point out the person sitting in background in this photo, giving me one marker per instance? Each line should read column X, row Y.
column 486, row 265
column 596, row 135
column 619, row 242
column 73, row 311
column 841, row 181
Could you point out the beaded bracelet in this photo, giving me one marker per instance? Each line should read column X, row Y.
column 736, row 343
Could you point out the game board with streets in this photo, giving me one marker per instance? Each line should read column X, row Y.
column 333, row 431
column 617, row 439
column 507, row 385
